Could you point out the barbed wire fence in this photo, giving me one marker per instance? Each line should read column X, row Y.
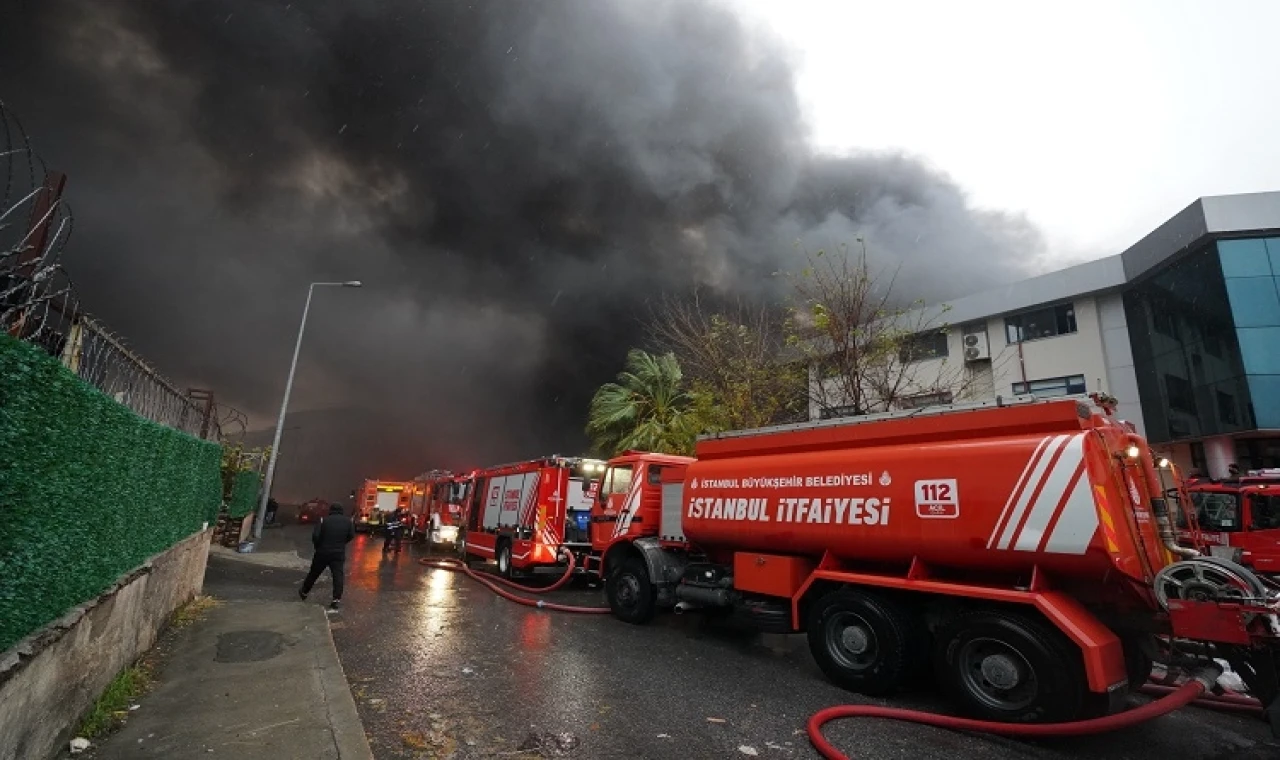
column 38, row 303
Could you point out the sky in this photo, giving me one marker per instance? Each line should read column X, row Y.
column 518, row 183
column 1100, row 120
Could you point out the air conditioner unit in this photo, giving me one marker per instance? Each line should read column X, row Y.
column 976, row 348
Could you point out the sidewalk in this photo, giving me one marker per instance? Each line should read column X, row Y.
column 255, row 679
column 277, row 548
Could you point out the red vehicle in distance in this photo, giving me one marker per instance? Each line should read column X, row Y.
column 1238, row 519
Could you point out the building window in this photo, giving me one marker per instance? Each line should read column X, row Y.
column 832, row 412
column 1213, row 346
column 926, row 345
column 1051, row 387
column 925, row 399
column 1227, row 408
column 1199, row 461
column 1163, row 319
column 1042, row 323
column 1180, row 394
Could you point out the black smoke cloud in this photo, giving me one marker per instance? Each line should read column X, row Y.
column 511, row 180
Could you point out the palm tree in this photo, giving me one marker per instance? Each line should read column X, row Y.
column 647, row 409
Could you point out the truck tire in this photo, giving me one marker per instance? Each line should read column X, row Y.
column 1137, row 662
column 1011, row 668
column 631, row 593
column 865, row 643
column 504, row 559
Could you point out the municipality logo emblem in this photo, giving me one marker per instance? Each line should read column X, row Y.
column 693, row 483
column 885, row 478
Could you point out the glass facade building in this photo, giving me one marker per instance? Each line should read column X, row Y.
column 1205, row 335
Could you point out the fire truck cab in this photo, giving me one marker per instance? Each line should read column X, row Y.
column 626, row 503
column 438, row 505
column 1238, row 520
column 524, row 516
column 378, row 498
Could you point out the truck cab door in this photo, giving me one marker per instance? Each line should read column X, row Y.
column 609, row 503
column 1261, row 544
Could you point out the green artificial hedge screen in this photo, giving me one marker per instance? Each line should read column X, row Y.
column 244, row 494
column 88, row 489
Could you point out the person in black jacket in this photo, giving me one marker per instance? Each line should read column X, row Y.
column 330, row 538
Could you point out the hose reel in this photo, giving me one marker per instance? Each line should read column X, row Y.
column 1208, row 579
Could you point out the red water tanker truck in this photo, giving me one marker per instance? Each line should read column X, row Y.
column 1024, row 552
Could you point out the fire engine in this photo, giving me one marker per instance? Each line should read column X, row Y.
column 376, row 499
column 1237, row 519
column 437, row 506
column 526, row 515
column 1025, row 548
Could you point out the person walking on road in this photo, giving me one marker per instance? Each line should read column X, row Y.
column 330, row 538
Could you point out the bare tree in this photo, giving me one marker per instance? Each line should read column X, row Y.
column 735, row 356
column 869, row 351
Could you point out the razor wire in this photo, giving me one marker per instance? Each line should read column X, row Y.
column 38, row 303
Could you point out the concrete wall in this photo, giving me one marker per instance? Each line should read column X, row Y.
column 51, row 679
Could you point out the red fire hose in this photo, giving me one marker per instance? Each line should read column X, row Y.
column 1229, row 702
column 457, row 565
column 1171, row 698
column 1179, row 697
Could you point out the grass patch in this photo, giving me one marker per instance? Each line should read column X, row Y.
column 113, row 706
column 193, row 611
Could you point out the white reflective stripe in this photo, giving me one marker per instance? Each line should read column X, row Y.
column 1078, row 523
column 1055, row 487
column 1017, row 489
column 1037, row 475
column 628, row 507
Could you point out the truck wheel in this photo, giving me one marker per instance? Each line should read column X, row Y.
column 631, row 594
column 1011, row 668
column 1136, row 662
column 504, row 559
column 864, row 643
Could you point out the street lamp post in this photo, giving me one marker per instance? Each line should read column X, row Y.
column 284, row 405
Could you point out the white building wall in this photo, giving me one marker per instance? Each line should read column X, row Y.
column 1078, row 353
column 1122, row 378
column 1098, row 350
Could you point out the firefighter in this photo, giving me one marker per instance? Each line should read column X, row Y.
column 395, row 529
column 330, row 538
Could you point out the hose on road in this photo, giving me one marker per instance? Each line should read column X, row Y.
column 1229, row 702
column 1179, row 697
column 1171, row 698
column 458, row 566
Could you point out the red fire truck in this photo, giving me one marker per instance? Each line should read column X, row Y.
column 437, row 506
column 378, row 498
column 1238, row 519
column 525, row 515
column 1027, row 550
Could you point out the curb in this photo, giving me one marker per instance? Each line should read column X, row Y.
column 344, row 720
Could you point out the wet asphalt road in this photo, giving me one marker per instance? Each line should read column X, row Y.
column 442, row 668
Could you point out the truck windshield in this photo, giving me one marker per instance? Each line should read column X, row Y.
column 1217, row 512
column 1266, row 511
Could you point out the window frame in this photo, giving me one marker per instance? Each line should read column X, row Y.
column 909, row 351
column 1215, row 526
column 1272, row 502
column 1066, row 386
column 607, row 487
column 1061, row 312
